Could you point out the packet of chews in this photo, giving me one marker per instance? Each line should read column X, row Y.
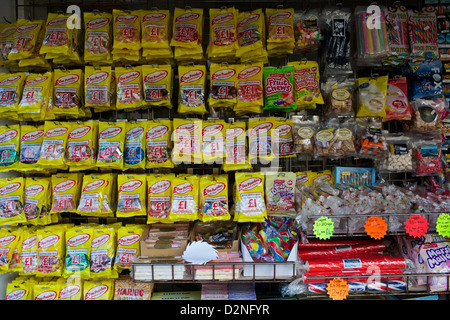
column 134, row 157
column 187, row 30
column 187, row 137
column 103, row 249
column 30, row 146
column 236, row 157
column 25, row 38
column 159, row 144
column 159, row 196
column 51, row 249
column 157, row 82
column 249, row 194
column 54, row 144
column 214, row 198
column 8, row 242
column 101, row 289
column 184, row 205
column 9, row 147
column 93, row 194
column 128, row 238
column 97, row 87
column 250, row 92
column 11, row 201
column 65, row 192
column 78, row 250
column 213, row 141
column 98, row 39
column 68, row 89
column 35, row 95
column 111, row 140
column 36, row 194
column 81, row 145
column 131, row 195
column 129, row 87
column 11, row 86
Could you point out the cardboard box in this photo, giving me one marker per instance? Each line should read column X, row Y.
column 211, row 226
column 153, row 252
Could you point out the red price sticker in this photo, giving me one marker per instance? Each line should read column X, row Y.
column 337, row 289
column 376, row 227
column 416, row 226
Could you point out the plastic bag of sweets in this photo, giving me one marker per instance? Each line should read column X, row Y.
column 279, row 92
column 338, row 92
column 97, row 87
column 213, row 141
column 25, row 39
column 425, row 79
column 31, row 138
column 187, row 139
column 9, row 147
column 184, row 206
column 7, row 31
column 159, row 197
column 399, row 157
column 111, row 141
column 11, row 86
column 82, row 145
column 54, row 145
column 280, row 31
column 8, row 241
column 249, row 197
column 158, row 139
column 51, row 250
column 103, row 250
column 426, row 119
column 371, row 95
column 128, row 237
column 422, row 27
column 36, row 196
column 78, row 251
column 236, row 157
column 97, row 37
column 214, row 198
column 187, row 29
column 131, row 195
column 35, row 94
column 129, row 87
column 71, row 288
column 398, row 106
column 397, row 34
column 158, row 81
column 260, row 140
column 303, row 131
column 251, row 36
column 36, row 60
column 156, row 29
column 307, row 87
column 126, row 30
column 93, row 191
column 19, row 291
column 68, row 92
column 66, row 189
column 307, row 31
column 249, row 84
column 222, row 90
column 58, row 37
column 100, row 289
column 192, row 89
column 28, row 252
column 280, row 193
column 427, row 157
column 223, row 40
column 282, row 138
column 134, row 157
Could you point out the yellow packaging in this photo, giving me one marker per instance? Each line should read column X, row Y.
column 192, row 90
column 71, row 288
column 187, row 137
column 222, row 86
column 223, row 39
column 97, row 87
column 28, row 252
column 184, row 206
column 54, row 145
column 321, row 177
column 260, row 140
column 68, row 92
column 111, row 140
column 58, row 37
column 81, row 144
column 8, row 242
column 31, row 138
column 129, row 87
column 250, row 91
column 37, row 59
column 97, row 37
column 213, row 141
column 127, row 30
column 280, row 31
column 19, row 291
column 128, row 238
column 156, row 29
column 51, row 249
column 94, row 194
column 78, row 252
column 65, row 192
column 157, row 85
column 159, row 196
column 46, row 290
column 214, row 198
column 9, row 147
column 307, row 84
column 134, row 157
column 7, row 31
column 35, row 95
column 98, row 289
column 131, row 195
column 159, row 144
column 249, row 195
column 372, row 97
column 25, row 39
column 11, row 201
column 36, row 199
column 11, row 86
column 250, row 35
column 282, row 138
column 187, row 28
column 103, row 249
column 236, row 157
column 14, row 264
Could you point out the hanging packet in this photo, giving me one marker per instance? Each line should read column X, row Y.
column 397, row 102
column 68, row 88
column 111, row 140
column 213, row 141
column 25, row 39
column 236, row 157
column 279, row 88
column 249, row 84
column 36, row 199
column 93, row 191
column 159, row 197
column 71, row 288
column 11, row 201
column 184, row 206
column 51, row 249
column 54, row 145
column 280, row 31
column 280, row 193
column 65, row 192
column 31, row 138
column 81, row 145
column 214, row 198
column 11, row 87
column 249, row 197
column 102, row 289
column 157, row 85
column 372, row 97
column 134, row 157
column 127, row 30
column 8, row 241
column 7, row 31
column 156, row 29
column 131, row 195
column 187, row 137
column 128, row 238
column 282, row 138
column 192, row 81
column 307, row 85
column 97, row 37
column 187, row 34
column 97, row 87
column 28, row 252
column 250, row 36
column 58, row 37
column 78, row 251
column 19, row 291
column 9, row 147
column 103, row 249
column 159, row 144
column 222, row 90
column 425, row 79
column 129, row 87
column 35, row 94
column 223, row 38
column 260, row 140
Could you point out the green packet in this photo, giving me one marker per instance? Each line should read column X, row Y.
column 279, row 88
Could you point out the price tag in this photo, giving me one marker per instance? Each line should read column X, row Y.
column 416, row 226
column 443, row 225
column 323, row 228
column 376, row 227
column 337, row 289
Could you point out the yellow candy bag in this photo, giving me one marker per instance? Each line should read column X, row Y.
column 28, row 252
column 93, row 192
column 9, row 147
column 214, row 198
column 68, row 90
column 250, row 35
column 222, row 91
column 129, row 87
column 159, row 196
column 187, row 137
column 157, row 85
column 159, row 144
column 8, row 242
column 36, row 199
column 184, row 205
column 97, row 37
column 31, row 138
column 81, row 145
column 111, row 140
column 78, row 252
column 282, row 138
column 103, row 249
column 65, row 192
column 58, row 37
column 236, row 157
column 19, row 291
column 280, row 31
column 71, row 288
column 11, row 201
column 223, row 40
column 46, row 291
column 128, row 238
column 131, row 195
column 11, row 86
column 307, row 85
column 51, row 249
column 37, row 60
column 156, row 29
column 127, row 30
column 187, row 29
column 192, row 81
column 213, row 141
column 321, row 177
column 250, row 91
column 372, row 97
column 249, row 194
column 135, row 145
column 97, row 87
column 35, row 95
column 7, row 31
column 25, row 39
column 54, row 145
column 98, row 289
column 260, row 140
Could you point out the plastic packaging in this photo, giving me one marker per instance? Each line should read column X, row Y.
column 338, row 94
column 307, row 32
column 103, row 250
column 303, row 132
column 98, row 37
column 82, row 145
column 11, row 86
column 135, row 136
column 251, row 36
column 129, row 87
column 9, row 147
column 68, row 92
column 131, row 195
column 282, row 138
column 184, row 206
column 58, row 37
column 111, row 140
column 50, row 249
column 54, row 145
column 159, row 197
column 213, row 204
column 399, row 157
column 156, row 29
column 66, row 188
column 30, row 146
column 96, row 195
column 279, row 88
column 249, row 84
column 35, row 95
column 223, row 36
column 236, row 157
column 97, row 88
column 37, row 197
column 25, row 39
column 372, row 97
column 187, row 139
column 280, row 193
column 260, row 140
column 78, row 250
column 158, row 83
column 280, row 31
column 307, row 87
column 423, row 34
column 126, row 30
column 397, row 35
column 192, row 89
column 426, row 157
column 128, row 238
column 398, row 106
column 159, row 144
column 249, row 197
column 187, row 34
column 11, row 201
column 371, row 142
column 213, row 141
column 222, row 91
